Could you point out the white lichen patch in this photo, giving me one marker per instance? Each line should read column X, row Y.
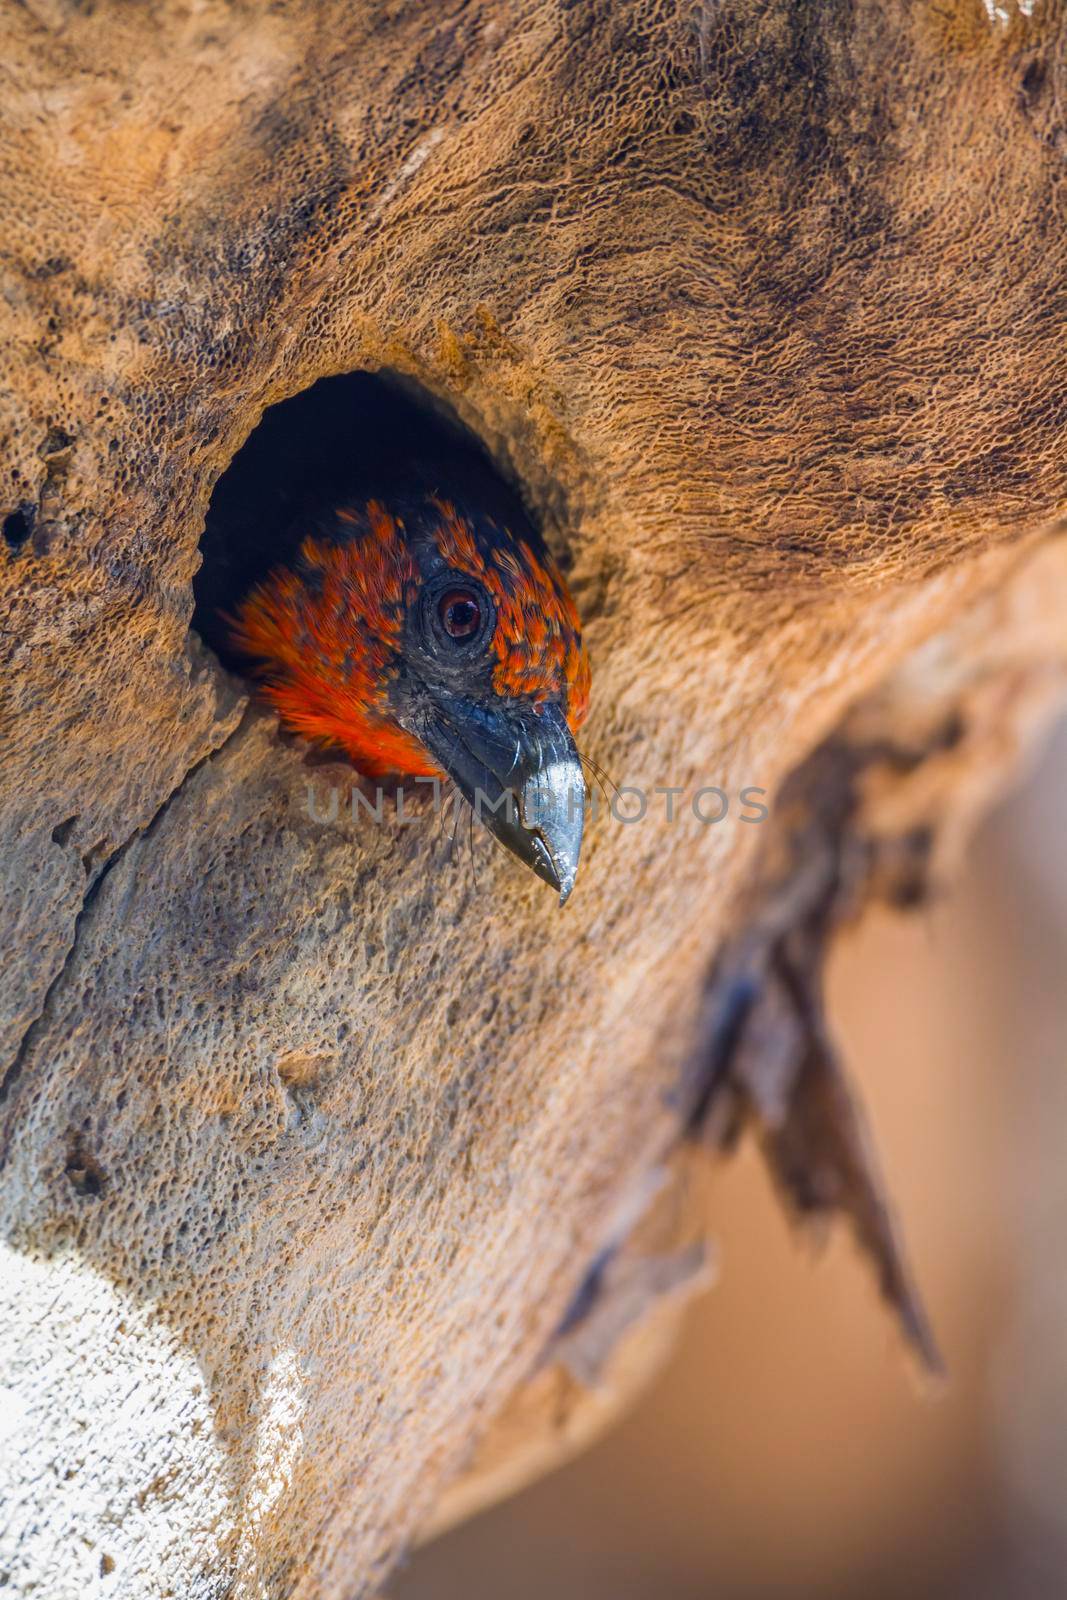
column 112, row 1478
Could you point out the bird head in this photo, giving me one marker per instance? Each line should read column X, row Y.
column 425, row 641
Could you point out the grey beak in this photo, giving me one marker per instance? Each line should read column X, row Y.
column 518, row 766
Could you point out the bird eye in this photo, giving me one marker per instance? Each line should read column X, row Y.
column 460, row 613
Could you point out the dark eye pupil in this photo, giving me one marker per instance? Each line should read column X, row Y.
column 460, row 614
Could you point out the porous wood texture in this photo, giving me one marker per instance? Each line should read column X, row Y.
column 310, row 1136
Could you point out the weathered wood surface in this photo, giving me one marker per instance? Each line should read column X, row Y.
column 310, row 1138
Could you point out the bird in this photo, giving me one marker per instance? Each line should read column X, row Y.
column 423, row 636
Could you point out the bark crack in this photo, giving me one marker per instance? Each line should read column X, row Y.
column 13, row 1073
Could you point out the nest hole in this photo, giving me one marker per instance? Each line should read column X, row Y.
column 346, row 440
column 18, row 526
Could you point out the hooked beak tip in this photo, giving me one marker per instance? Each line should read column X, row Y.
column 554, row 814
column 553, row 870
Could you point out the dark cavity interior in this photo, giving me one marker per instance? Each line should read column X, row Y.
column 342, row 442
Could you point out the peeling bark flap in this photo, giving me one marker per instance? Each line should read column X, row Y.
column 771, row 1064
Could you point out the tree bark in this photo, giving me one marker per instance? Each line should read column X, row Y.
column 319, row 1152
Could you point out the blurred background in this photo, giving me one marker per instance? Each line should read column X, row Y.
column 788, row 1450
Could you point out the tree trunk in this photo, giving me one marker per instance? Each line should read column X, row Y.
column 321, row 1152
